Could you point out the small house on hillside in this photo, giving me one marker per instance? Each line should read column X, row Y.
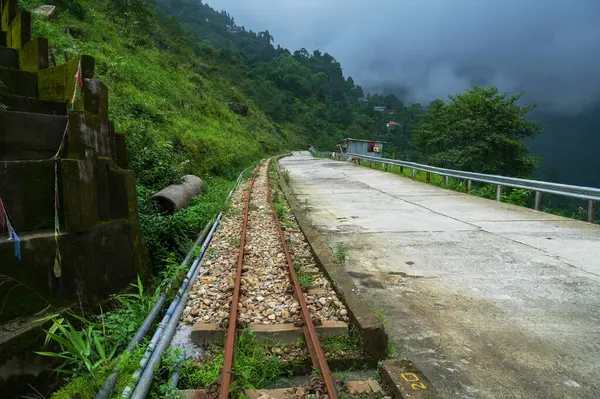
column 235, row 29
column 392, row 124
column 379, row 108
column 363, row 147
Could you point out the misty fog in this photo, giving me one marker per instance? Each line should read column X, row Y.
column 434, row 48
column 427, row 49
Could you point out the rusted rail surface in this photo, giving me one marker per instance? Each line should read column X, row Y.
column 310, row 333
column 231, row 327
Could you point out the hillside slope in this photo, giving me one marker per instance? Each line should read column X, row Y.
column 172, row 104
column 173, row 81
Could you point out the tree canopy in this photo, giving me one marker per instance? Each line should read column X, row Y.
column 480, row 130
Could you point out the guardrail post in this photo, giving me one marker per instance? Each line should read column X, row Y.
column 468, row 186
column 445, row 180
column 591, row 211
column 401, row 169
column 414, row 173
column 428, row 177
column 498, row 192
column 538, row 201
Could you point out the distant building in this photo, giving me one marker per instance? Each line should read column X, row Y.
column 363, row 147
column 235, row 29
column 392, row 124
column 379, row 108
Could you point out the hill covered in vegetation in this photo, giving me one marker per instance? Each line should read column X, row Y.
column 195, row 93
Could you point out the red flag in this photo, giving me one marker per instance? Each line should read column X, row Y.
column 78, row 78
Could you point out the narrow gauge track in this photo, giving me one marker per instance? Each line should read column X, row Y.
column 310, row 333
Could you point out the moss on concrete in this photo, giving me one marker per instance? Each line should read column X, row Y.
column 33, row 56
column 57, row 83
column 30, row 205
column 19, row 30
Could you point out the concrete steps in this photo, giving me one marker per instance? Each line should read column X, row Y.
column 15, row 81
column 9, row 58
column 32, row 105
column 30, row 136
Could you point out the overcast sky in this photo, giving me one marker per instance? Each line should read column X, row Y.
column 550, row 48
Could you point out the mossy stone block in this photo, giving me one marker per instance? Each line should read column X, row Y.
column 79, row 194
column 9, row 10
column 102, row 260
column 33, row 56
column 27, row 189
column 30, row 278
column 103, row 165
column 19, row 30
column 121, row 151
column 95, row 97
column 122, row 193
column 20, row 83
column 89, row 135
column 58, row 83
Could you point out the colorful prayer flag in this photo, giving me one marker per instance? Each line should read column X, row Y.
column 17, row 245
column 78, row 86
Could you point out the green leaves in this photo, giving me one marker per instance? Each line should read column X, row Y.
column 82, row 350
column 480, row 130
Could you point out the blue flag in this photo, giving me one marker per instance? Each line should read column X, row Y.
column 17, row 245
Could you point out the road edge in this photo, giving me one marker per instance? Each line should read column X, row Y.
column 368, row 324
column 404, row 380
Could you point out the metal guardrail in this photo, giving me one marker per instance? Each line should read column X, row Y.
column 326, row 154
column 585, row 193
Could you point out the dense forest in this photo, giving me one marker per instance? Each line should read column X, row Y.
column 304, row 93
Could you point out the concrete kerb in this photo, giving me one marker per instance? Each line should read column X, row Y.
column 404, row 381
column 367, row 323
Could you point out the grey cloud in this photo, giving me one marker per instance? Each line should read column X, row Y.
column 434, row 48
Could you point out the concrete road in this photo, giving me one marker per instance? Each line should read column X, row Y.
column 490, row 300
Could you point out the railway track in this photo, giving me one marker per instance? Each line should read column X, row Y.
column 311, row 337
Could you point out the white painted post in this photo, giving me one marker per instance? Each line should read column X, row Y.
column 445, row 180
column 468, row 186
column 591, row 213
column 498, row 192
column 538, row 200
column 414, row 173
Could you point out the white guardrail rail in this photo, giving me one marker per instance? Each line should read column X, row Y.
column 590, row 194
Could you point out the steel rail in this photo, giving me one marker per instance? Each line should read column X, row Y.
column 231, row 327
column 590, row 194
column 310, row 332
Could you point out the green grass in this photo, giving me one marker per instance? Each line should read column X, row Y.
column 305, row 279
column 203, row 374
column 255, row 367
column 340, row 253
column 341, row 344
